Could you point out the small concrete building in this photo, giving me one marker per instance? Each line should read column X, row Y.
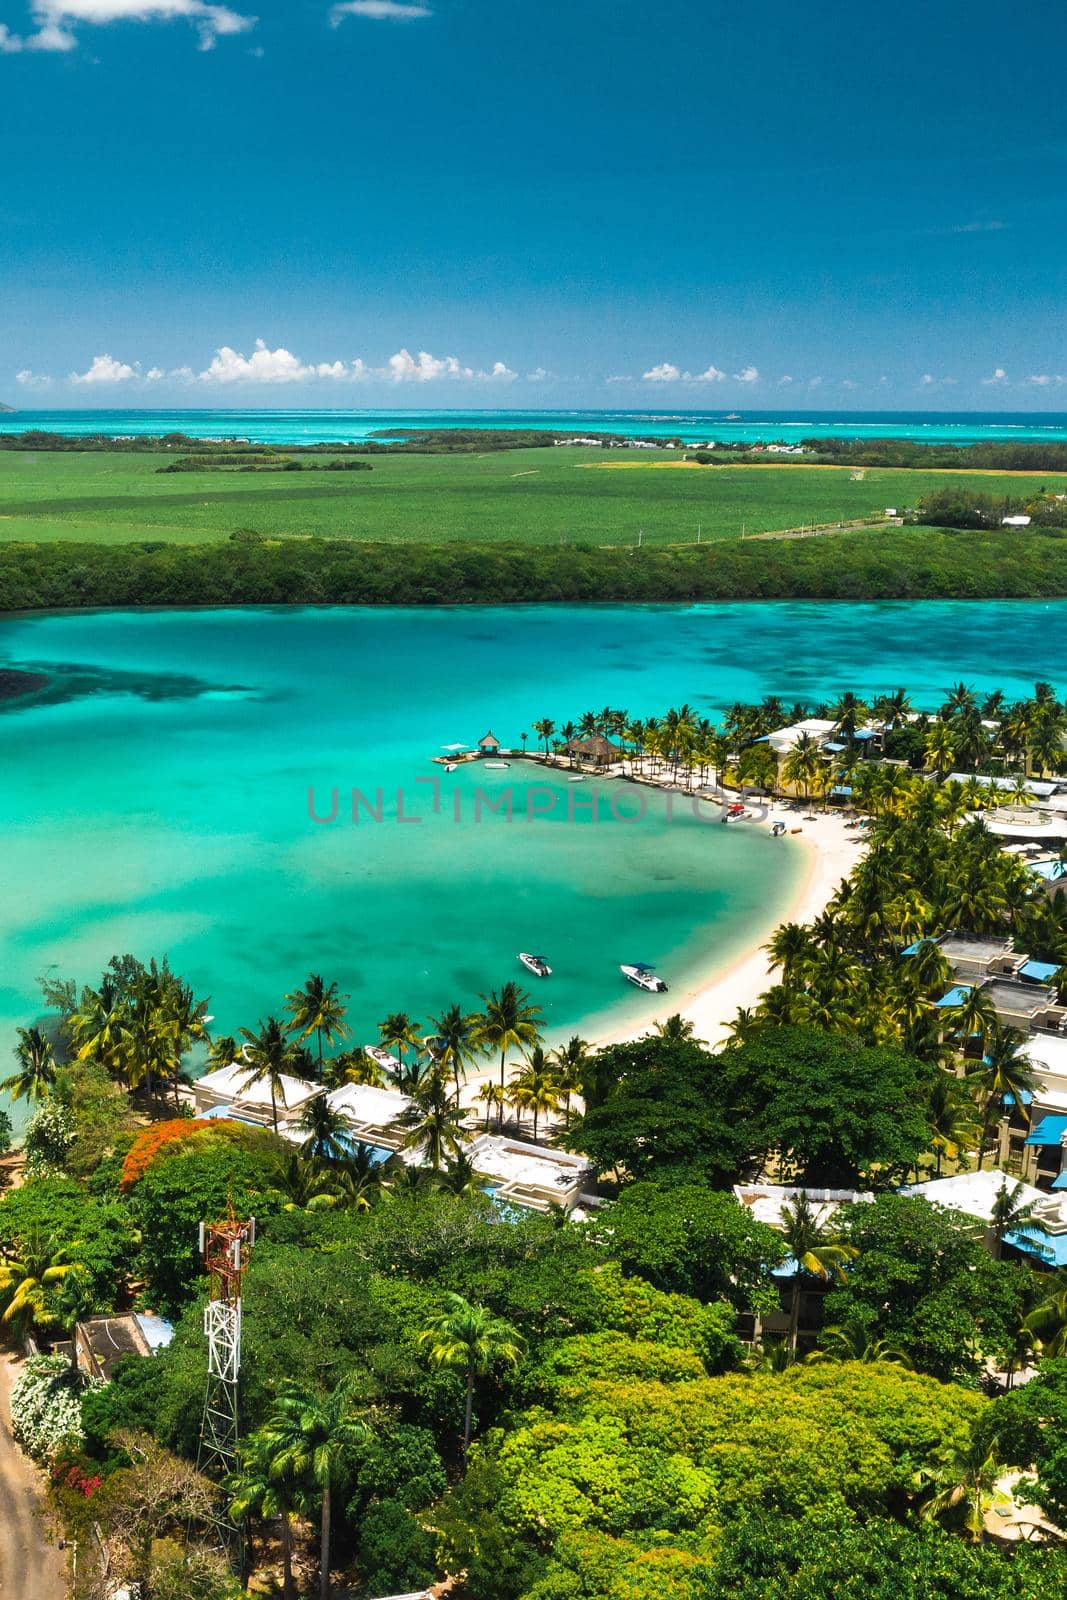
column 530, row 1175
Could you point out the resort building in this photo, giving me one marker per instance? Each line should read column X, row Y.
column 529, row 1175
column 818, row 729
column 976, row 1194
column 972, row 959
column 232, row 1091
column 373, row 1114
column 101, row 1342
column 489, row 744
column 602, row 752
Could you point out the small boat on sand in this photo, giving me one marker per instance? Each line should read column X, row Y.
column 642, row 976
column 535, row 964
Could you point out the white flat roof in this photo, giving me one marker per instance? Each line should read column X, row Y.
column 531, row 1164
column 363, row 1103
column 234, row 1083
column 765, row 1200
column 974, row 1193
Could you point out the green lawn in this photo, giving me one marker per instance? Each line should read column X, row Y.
column 530, row 496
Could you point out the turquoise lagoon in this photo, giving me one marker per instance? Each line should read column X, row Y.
column 156, row 792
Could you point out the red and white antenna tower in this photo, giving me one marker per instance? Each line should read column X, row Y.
column 224, row 1248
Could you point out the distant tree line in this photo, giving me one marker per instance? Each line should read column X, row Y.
column 250, row 569
column 999, row 457
column 956, row 507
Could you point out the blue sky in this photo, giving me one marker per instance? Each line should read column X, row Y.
column 482, row 202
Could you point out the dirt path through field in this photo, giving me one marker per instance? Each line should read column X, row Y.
column 30, row 1567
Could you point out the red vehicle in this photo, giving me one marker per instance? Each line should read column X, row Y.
column 736, row 810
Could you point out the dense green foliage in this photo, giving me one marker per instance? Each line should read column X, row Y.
column 899, row 564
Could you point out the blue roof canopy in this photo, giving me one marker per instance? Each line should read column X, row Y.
column 1049, row 1131
column 865, row 733
column 1061, row 1181
column 842, row 788
column 1038, row 971
column 955, row 997
column 1051, row 1250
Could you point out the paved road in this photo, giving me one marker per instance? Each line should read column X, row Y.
column 30, row 1567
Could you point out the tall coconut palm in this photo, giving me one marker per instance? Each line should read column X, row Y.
column 802, row 766
column 399, row 1033
column 490, row 1096
column 817, row 1250
column 544, row 729
column 433, row 1122
column 325, row 1132
column 509, row 1022
column 257, row 1490
column 71, row 1301
column 790, row 945
column 471, row 1341
column 222, row 1051
column 353, row 1066
column 270, row 1058
column 1005, row 1069
column 950, row 1113
column 940, row 754
column 853, row 1343
column 534, row 1088
column 972, row 1016
column 318, row 1008
column 455, row 1042
column 569, row 1063
column 310, row 1437
column 675, row 1029
column 36, row 1073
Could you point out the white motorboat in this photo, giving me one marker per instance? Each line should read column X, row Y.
column 535, row 964
column 642, row 976
column 496, row 766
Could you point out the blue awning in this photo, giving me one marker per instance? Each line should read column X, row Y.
column 1038, row 971
column 865, row 733
column 955, row 997
column 1049, row 1131
column 1051, row 1249
column 1025, row 1097
column 835, row 749
column 842, row 789
column 1061, row 1181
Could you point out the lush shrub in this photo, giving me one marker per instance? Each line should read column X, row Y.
column 96, row 1234
column 46, row 1407
column 49, row 1136
column 161, row 1138
column 396, row 1554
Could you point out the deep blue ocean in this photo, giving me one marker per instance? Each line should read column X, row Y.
column 336, row 427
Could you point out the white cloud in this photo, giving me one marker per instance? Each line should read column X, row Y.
column 105, row 369
column 711, row 374
column 786, row 377
column 928, row 381
column 266, row 366
column 538, row 375
column 999, row 376
column 747, row 375
column 814, row 383
column 1044, row 379
column 154, row 374
column 378, row 11
column 33, row 380
column 405, row 368
column 666, row 372
column 847, row 383
column 56, row 21
column 620, row 377
column 499, row 373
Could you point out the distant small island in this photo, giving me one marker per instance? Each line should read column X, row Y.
column 14, row 682
column 10, row 410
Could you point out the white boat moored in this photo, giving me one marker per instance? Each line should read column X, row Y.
column 642, row 976
column 535, row 964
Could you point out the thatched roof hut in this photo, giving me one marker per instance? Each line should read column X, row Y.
column 596, row 748
column 489, row 744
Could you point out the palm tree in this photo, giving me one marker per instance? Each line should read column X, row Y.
column 962, row 1483
column 853, row 1343
column 29, row 1278
column 460, row 1178
column 940, row 749
column 569, row 1064
column 308, row 1436
column 398, row 1033
column 509, row 1022
column 222, row 1051
column 70, row 1302
column 817, row 1251
column 1048, row 1320
column 675, row 1029
column 433, row 1122
column 544, row 729
column 257, row 1490
column 455, row 1042
column 305, row 1185
column 269, row 1056
column 1004, row 1070
column 325, row 1131
column 534, row 1088
column 489, row 1094
column 790, row 945
column 973, row 1016
column 37, row 1066
column 1012, row 1214
column 470, row 1340
column 802, row 766
column 951, row 1117
column 318, row 1008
